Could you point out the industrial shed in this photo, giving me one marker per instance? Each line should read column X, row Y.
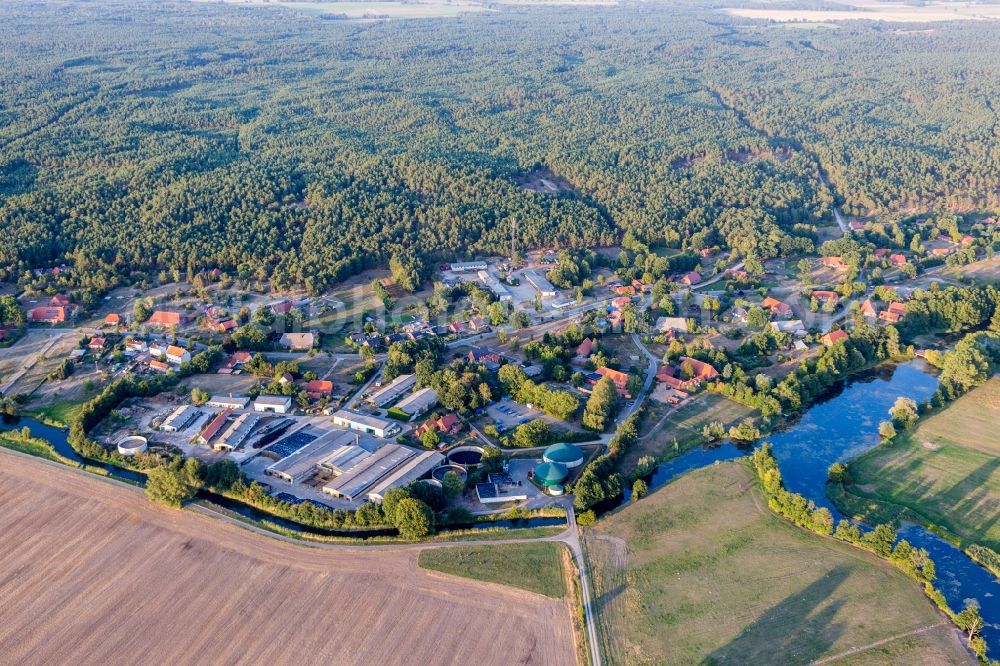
column 180, row 418
column 413, row 469
column 392, row 390
column 355, row 483
column 418, row 403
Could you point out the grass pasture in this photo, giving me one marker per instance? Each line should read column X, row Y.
column 987, row 270
column 663, row 423
column 536, row 567
column 702, row 572
column 947, row 472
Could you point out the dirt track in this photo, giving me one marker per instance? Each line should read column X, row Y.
column 94, row 573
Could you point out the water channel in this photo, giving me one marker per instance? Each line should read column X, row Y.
column 58, row 438
column 836, row 429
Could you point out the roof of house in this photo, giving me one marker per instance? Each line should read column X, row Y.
column 868, row 308
column 833, row 337
column 701, row 369
column 617, row 376
column 822, row 295
column 694, row 277
column 165, row 318
column 113, row 318
column 174, row 350
column 584, row 349
column 319, row 386
column 159, row 365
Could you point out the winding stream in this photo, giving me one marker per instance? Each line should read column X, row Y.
column 59, row 441
column 837, row 429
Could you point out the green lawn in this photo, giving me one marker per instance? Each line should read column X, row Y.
column 946, row 472
column 62, row 412
column 536, row 567
column 657, row 434
column 702, row 572
column 31, row 446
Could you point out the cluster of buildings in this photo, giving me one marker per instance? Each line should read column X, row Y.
column 58, row 310
column 352, row 467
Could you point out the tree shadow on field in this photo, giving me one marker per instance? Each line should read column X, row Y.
column 798, row 630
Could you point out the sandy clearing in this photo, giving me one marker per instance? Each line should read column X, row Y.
column 94, row 573
column 894, row 14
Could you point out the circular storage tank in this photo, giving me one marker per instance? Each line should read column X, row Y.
column 132, row 445
column 467, row 456
column 565, row 454
column 556, row 490
column 439, row 472
column 551, row 474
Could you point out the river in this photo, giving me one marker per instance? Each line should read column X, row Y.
column 840, row 427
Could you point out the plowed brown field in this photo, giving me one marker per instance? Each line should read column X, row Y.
column 94, row 573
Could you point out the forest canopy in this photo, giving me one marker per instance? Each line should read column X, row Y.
column 160, row 139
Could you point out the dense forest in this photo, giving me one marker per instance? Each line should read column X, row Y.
column 152, row 140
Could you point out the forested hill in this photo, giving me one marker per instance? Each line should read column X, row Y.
column 162, row 138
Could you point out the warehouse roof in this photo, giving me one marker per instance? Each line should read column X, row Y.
column 355, row 482
column 408, row 472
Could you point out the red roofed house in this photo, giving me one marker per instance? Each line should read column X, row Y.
column 50, row 314
column 692, row 278
column 941, row 252
column 897, row 259
column 696, row 372
column 159, row 366
column 833, row 337
column 826, row 296
column 968, row 240
column 699, row 369
column 894, row 313
column 881, row 252
column 776, row 307
column 281, row 307
column 113, row 319
column 585, row 348
column 456, row 327
column 177, row 354
column 619, row 378
column 60, row 301
column 478, row 324
column 834, row 262
column 166, row 319
column 857, row 225
column 621, row 302
column 641, row 288
column 319, row 388
column 449, row 423
column 96, row 343
column 623, row 290
column 868, row 309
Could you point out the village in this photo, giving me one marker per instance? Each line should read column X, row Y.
column 483, row 384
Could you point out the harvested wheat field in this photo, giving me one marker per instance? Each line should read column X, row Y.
column 94, row 573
